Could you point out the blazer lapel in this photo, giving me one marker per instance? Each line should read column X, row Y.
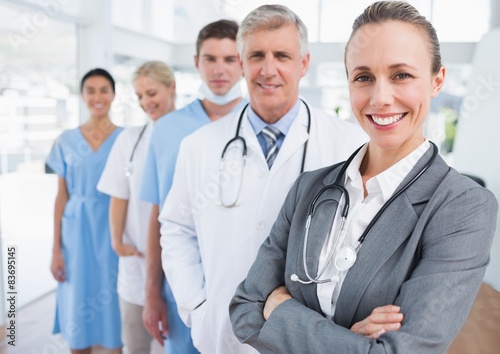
column 320, row 227
column 393, row 227
column 321, row 224
column 294, row 140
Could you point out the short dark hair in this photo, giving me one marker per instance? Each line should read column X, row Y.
column 98, row 72
column 219, row 29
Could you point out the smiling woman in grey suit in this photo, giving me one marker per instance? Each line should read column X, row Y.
column 383, row 253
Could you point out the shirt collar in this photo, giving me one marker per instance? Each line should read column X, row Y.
column 283, row 124
column 387, row 181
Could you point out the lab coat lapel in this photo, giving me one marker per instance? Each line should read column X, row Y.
column 253, row 145
column 294, row 140
column 394, row 226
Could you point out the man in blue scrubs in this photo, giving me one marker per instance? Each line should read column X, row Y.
column 216, row 60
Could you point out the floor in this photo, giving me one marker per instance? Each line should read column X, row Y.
column 34, row 331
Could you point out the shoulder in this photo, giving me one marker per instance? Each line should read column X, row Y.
column 316, row 179
column 131, row 132
column 128, row 136
column 455, row 184
column 186, row 118
column 215, row 130
column 68, row 136
column 189, row 111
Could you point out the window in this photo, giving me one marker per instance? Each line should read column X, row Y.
column 38, row 99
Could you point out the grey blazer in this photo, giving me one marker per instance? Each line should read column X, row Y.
column 427, row 253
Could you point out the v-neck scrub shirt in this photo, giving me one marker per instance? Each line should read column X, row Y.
column 87, row 311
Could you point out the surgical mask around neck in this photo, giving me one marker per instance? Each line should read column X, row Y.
column 221, row 100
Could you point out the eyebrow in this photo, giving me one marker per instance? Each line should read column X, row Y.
column 392, row 66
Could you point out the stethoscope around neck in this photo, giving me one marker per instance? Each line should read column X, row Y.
column 347, row 255
column 238, row 138
column 129, row 168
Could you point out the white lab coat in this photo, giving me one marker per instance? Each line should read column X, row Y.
column 207, row 249
column 131, row 270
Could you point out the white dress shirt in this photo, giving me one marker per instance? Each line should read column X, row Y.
column 362, row 210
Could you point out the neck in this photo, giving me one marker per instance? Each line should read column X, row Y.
column 377, row 159
column 215, row 111
column 163, row 114
column 273, row 114
column 103, row 123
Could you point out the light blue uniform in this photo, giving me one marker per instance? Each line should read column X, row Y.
column 167, row 135
column 87, row 312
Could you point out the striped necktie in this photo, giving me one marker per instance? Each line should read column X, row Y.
column 271, row 134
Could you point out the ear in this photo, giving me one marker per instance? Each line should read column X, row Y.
column 438, row 81
column 196, row 61
column 241, row 65
column 305, row 64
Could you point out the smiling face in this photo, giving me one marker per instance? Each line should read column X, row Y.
column 98, row 94
column 155, row 98
column 273, row 66
column 391, row 83
column 218, row 64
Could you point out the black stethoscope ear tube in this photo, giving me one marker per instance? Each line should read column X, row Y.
column 240, row 138
column 335, row 185
column 398, row 193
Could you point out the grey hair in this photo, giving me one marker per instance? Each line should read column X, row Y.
column 271, row 17
column 383, row 11
column 157, row 71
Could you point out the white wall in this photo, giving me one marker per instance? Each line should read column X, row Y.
column 477, row 143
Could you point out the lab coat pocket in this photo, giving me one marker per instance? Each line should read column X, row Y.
column 200, row 331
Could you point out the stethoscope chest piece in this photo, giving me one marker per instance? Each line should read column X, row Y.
column 345, row 258
column 128, row 169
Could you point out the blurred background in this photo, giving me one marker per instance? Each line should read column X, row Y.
column 46, row 45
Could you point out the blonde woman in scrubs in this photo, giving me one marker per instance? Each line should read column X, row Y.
column 154, row 85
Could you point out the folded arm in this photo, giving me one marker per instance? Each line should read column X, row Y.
column 435, row 299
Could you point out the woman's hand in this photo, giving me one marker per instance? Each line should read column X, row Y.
column 278, row 295
column 124, row 250
column 382, row 319
column 57, row 267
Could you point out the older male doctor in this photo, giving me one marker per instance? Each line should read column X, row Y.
column 233, row 175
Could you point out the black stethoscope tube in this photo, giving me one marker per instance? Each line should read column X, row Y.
column 345, row 211
column 240, row 138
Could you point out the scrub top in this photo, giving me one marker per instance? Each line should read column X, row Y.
column 116, row 183
column 157, row 177
column 167, row 135
column 87, row 312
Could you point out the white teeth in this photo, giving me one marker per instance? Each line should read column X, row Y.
column 387, row 120
column 267, row 86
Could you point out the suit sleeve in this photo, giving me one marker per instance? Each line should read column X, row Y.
column 435, row 299
column 181, row 258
